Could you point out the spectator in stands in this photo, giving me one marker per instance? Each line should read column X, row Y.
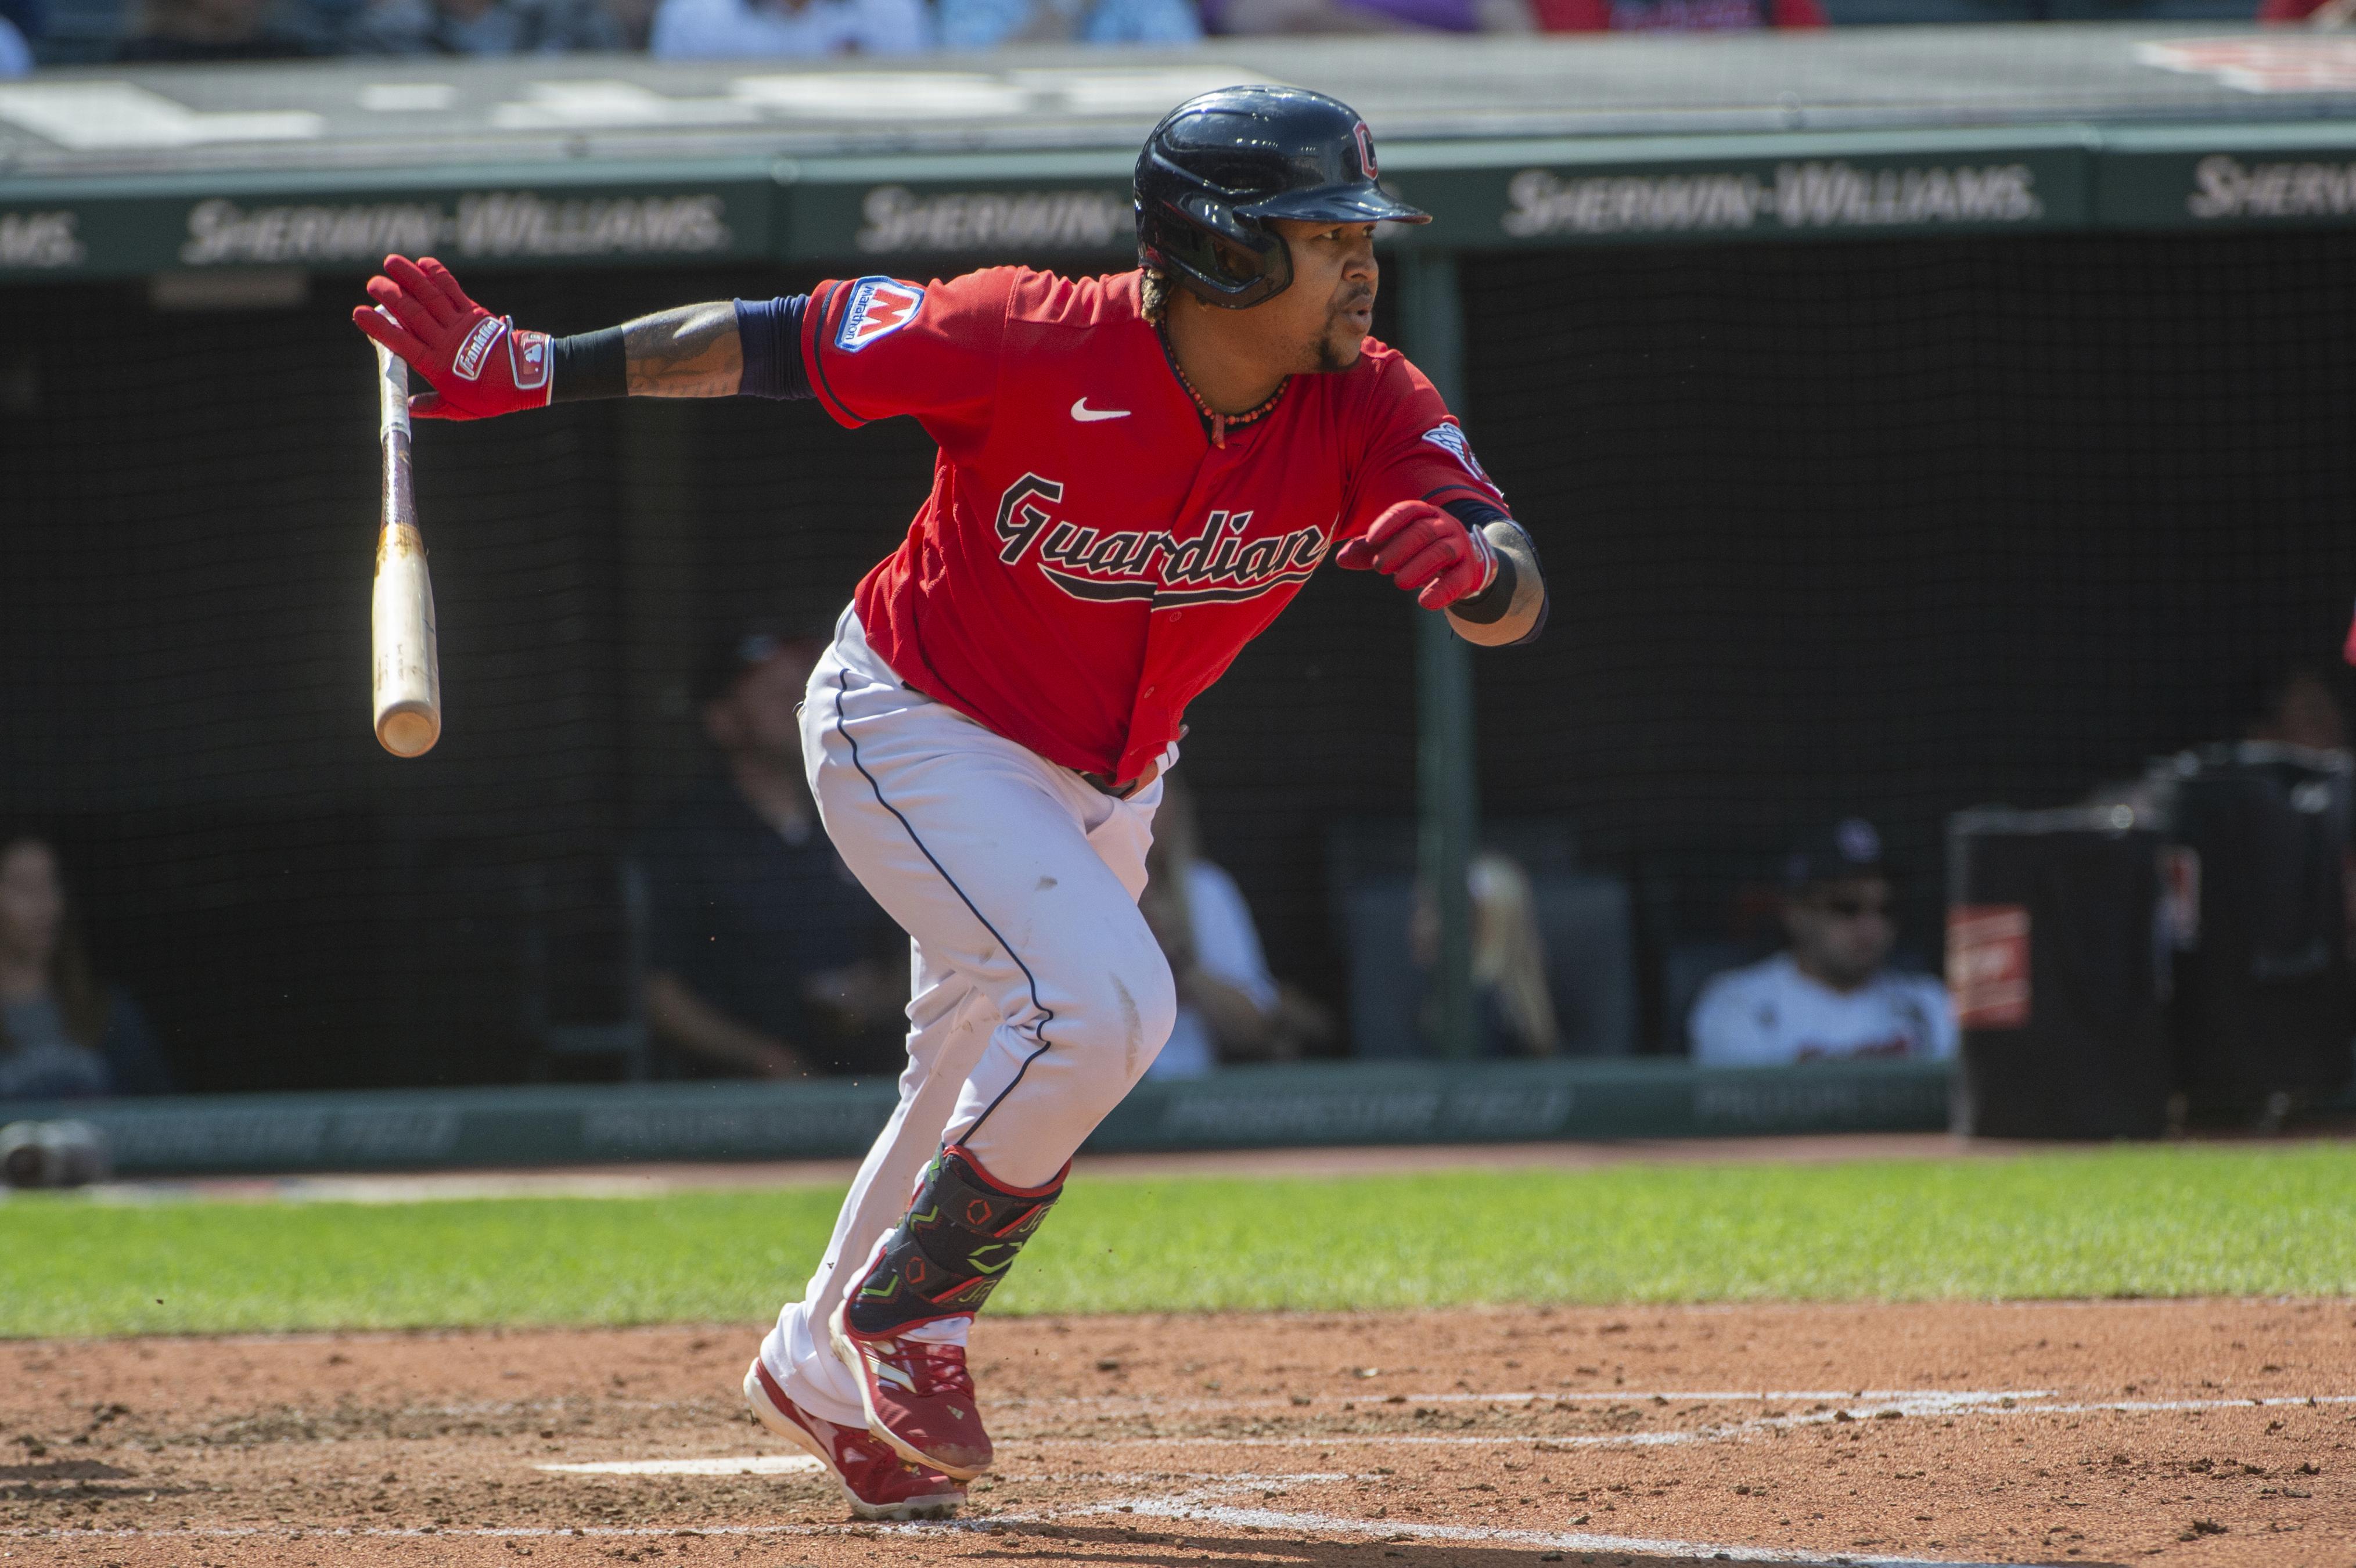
column 1509, row 968
column 637, row 20
column 986, row 24
column 1674, row 15
column 1230, row 1009
column 1831, row 993
column 745, row 29
column 484, row 27
column 2314, row 13
column 63, row 1035
column 21, row 21
column 191, row 30
column 2297, row 706
column 764, row 957
column 1260, row 18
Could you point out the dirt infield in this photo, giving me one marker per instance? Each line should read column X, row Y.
column 2203, row 1432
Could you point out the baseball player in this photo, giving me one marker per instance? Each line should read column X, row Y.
column 1136, row 473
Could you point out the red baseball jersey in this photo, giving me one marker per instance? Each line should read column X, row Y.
column 1087, row 561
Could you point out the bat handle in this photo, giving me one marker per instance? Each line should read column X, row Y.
column 392, row 435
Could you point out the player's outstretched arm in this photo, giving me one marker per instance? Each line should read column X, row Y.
column 692, row 352
column 481, row 365
column 692, row 1024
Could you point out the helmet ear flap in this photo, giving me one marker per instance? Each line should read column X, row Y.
column 1214, row 253
column 1253, row 275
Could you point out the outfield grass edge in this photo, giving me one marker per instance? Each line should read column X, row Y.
column 2101, row 1224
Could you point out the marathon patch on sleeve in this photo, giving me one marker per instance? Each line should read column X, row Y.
column 1451, row 439
column 879, row 306
column 475, row 352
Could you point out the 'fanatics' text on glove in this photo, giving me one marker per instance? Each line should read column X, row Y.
column 479, row 364
column 1426, row 551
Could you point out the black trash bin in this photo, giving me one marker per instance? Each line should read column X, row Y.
column 2060, row 972
column 2263, row 1003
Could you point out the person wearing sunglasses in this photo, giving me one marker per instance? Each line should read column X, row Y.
column 1831, row 993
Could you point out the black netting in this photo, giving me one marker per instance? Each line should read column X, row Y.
column 1876, row 528
column 1891, row 529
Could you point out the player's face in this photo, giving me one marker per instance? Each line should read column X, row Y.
column 759, row 716
column 1330, row 308
column 31, row 902
column 1841, row 931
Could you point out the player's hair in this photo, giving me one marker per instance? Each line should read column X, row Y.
column 1153, row 295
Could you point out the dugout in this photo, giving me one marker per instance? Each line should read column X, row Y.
column 1909, row 419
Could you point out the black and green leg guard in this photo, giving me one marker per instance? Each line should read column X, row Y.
column 957, row 1242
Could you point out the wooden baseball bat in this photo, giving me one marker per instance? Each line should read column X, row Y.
column 406, row 672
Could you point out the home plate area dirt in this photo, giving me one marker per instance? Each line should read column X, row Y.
column 2194, row 1432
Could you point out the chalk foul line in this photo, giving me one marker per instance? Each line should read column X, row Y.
column 1202, row 1505
column 749, row 1465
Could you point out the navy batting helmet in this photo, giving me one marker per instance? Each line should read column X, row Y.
column 1220, row 163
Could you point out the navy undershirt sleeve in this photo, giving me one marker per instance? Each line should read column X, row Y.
column 771, row 333
column 1476, row 514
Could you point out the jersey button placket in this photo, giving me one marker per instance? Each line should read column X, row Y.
column 1214, row 465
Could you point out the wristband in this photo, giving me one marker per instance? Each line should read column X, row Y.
column 1494, row 599
column 591, row 365
column 770, row 331
column 1491, row 602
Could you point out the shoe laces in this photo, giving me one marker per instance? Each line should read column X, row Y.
column 934, row 1369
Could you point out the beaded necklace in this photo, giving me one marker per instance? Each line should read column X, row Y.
column 1219, row 421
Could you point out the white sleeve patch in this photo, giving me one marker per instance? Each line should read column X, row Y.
column 1450, row 436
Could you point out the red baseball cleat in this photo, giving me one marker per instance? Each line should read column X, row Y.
column 919, row 1397
column 879, row 1483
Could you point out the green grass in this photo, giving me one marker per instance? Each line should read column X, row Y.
column 2108, row 1222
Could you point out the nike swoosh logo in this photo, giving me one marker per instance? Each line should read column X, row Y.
column 1086, row 416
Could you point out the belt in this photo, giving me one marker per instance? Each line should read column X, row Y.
column 1104, row 786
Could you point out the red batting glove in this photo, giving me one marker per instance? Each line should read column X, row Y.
column 480, row 364
column 1426, row 551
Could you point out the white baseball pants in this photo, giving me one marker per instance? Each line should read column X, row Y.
column 1039, row 995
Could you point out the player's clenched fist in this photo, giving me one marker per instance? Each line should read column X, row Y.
column 480, row 364
column 1425, row 551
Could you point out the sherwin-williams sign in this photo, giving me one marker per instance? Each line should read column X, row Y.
column 1609, row 191
column 499, row 224
column 896, row 221
column 2229, row 178
column 1796, row 187
column 994, row 209
column 953, row 209
column 40, row 242
column 1798, row 198
column 101, row 232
